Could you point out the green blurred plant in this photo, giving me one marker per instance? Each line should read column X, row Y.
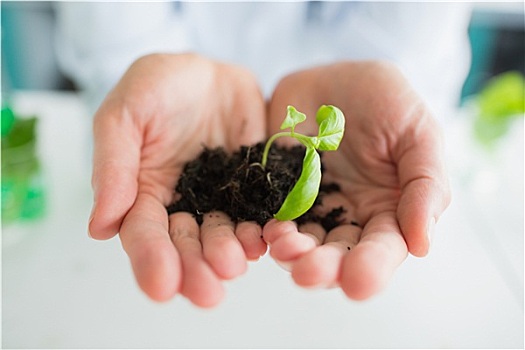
column 22, row 189
column 500, row 101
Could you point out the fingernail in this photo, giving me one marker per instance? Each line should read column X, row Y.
column 89, row 222
column 430, row 230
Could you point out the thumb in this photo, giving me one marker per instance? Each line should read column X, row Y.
column 115, row 170
column 420, row 206
column 425, row 191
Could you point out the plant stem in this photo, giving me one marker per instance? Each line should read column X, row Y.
column 269, row 144
column 305, row 140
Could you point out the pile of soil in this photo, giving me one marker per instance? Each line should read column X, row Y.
column 238, row 185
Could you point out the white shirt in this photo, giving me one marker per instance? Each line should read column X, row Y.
column 428, row 41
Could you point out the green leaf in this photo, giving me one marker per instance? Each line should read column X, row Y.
column 331, row 123
column 303, row 194
column 293, row 117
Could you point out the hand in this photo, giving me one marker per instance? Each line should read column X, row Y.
column 160, row 114
column 389, row 166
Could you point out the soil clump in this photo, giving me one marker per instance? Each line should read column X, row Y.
column 237, row 185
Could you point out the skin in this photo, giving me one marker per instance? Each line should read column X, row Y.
column 390, row 169
column 166, row 107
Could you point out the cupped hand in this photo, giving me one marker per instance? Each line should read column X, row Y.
column 390, row 169
column 159, row 116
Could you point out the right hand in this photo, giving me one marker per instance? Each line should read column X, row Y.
column 389, row 166
column 158, row 117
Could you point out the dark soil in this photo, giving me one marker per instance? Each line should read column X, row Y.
column 238, row 185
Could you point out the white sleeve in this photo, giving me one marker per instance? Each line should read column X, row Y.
column 96, row 42
column 429, row 42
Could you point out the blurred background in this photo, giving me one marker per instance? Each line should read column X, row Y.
column 63, row 290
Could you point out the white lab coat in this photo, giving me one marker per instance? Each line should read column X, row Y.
column 428, row 41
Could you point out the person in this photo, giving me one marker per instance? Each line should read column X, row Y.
column 182, row 75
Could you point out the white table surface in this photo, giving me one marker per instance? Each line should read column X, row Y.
column 61, row 289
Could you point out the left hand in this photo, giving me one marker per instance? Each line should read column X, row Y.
column 158, row 117
column 390, row 170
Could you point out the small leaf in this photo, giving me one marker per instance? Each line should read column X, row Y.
column 303, row 194
column 331, row 123
column 293, row 117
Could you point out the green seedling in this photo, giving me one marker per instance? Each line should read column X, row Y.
column 331, row 123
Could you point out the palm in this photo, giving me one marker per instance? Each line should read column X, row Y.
column 364, row 192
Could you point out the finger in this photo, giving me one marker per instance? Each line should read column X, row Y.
column 346, row 235
column 420, row 206
column 286, row 242
column 425, row 192
column 155, row 262
column 221, row 248
column 115, row 170
column 368, row 267
column 200, row 284
column 314, row 230
column 321, row 267
column 249, row 235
